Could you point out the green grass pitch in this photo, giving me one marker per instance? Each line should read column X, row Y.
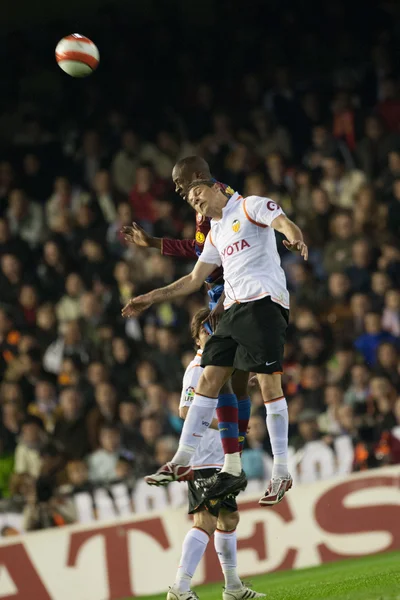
column 372, row 578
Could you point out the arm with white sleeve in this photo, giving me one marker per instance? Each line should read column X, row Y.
column 266, row 212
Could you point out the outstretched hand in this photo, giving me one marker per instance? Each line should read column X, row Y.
column 297, row 246
column 134, row 234
column 136, row 306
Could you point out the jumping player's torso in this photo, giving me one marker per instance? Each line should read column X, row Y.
column 244, row 244
column 209, row 453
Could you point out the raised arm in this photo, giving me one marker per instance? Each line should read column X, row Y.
column 182, row 287
column 294, row 238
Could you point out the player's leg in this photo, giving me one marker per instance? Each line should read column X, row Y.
column 225, row 542
column 193, row 548
column 277, row 419
column 197, row 538
column 240, row 380
column 198, row 419
column 262, row 336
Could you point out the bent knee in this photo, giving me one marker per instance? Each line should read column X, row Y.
column 204, row 520
column 212, row 379
column 228, row 521
column 270, row 385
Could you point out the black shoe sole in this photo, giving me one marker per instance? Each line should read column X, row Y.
column 233, row 489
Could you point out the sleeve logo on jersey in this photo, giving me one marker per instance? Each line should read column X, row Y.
column 272, row 205
column 189, row 394
column 200, row 237
column 236, row 225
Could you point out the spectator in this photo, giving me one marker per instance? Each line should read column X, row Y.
column 104, row 413
column 337, row 254
column 70, row 428
column 165, row 449
column 393, row 215
column 11, row 279
column 45, row 404
column 341, row 184
column 27, row 453
column 129, row 416
column 373, row 149
column 387, row 362
column 368, row 343
column 69, row 344
column 359, row 271
column 125, row 162
column 391, row 312
column 358, row 391
column 66, row 199
column 13, row 244
column 115, row 239
column 52, row 271
column 103, row 462
column 78, row 475
column 328, row 422
column 68, row 308
column 25, row 219
column 103, row 197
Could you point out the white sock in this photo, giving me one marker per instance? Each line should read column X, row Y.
column 198, row 419
column 278, row 427
column 232, row 464
column 193, row 548
column 226, row 547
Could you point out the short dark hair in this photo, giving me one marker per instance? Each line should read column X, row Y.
column 190, row 165
column 197, row 322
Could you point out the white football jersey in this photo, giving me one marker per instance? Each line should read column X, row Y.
column 244, row 244
column 209, row 453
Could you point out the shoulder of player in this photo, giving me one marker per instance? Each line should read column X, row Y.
column 256, row 205
column 191, row 376
column 195, row 363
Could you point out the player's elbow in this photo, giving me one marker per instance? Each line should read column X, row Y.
column 196, row 281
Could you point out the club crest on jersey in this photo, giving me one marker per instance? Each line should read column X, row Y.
column 236, row 225
column 200, row 237
column 189, row 394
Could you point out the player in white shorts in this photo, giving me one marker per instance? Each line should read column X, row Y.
column 206, row 463
column 250, row 335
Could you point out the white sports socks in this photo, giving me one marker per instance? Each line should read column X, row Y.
column 232, row 464
column 193, row 548
column 196, row 424
column 278, row 427
column 226, row 547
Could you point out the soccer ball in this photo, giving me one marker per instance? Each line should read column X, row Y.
column 77, row 55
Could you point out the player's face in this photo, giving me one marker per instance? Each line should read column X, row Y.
column 202, row 199
column 181, row 183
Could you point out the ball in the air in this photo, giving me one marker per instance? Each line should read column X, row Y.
column 77, row 55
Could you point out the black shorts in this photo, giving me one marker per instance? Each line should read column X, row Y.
column 249, row 336
column 203, row 479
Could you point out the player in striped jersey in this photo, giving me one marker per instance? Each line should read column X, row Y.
column 206, row 463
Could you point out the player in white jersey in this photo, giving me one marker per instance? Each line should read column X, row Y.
column 206, row 463
column 251, row 333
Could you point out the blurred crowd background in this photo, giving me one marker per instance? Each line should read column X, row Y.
column 300, row 104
